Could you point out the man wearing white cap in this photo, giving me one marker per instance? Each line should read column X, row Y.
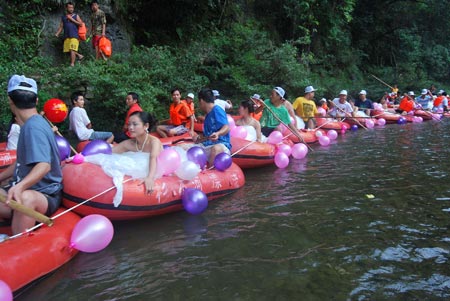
column 364, row 103
column 36, row 177
column 276, row 113
column 425, row 100
column 306, row 108
column 190, row 103
column 340, row 107
column 224, row 104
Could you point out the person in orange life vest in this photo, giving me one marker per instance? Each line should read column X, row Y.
column 407, row 103
column 256, row 98
column 70, row 23
column 440, row 104
column 181, row 118
column 132, row 101
column 190, row 103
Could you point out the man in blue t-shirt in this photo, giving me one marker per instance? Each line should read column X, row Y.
column 70, row 23
column 215, row 129
column 36, row 176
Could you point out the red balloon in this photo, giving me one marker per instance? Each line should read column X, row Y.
column 55, row 110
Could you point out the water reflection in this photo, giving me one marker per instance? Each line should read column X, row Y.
column 363, row 219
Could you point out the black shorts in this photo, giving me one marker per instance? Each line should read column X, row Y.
column 53, row 200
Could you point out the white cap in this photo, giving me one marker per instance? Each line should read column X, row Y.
column 256, row 96
column 16, row 81
column 441, row 91
column 280, row 91
column 309, row 89
column 343, row 92
column 411, row 93
column 363, row 92
column 190, row 95
column 215, row 93
column 424, row 91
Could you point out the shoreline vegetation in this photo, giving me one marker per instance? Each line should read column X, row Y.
column 237, row 47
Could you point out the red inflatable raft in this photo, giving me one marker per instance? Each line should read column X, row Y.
column 248, row 154
column 7, row 157
column 331, row 124
column 29, row 257
column 86, row 180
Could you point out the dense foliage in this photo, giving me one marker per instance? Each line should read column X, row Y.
column 238, row 47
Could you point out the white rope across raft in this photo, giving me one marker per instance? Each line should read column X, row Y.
column 133, row 164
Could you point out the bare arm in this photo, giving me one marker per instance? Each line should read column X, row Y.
column 60, row 28
column 223, row 131
column 149, row 181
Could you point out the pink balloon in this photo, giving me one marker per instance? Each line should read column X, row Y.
column 284, row 148
column 5, row 292
column 369, row 123
column 436, row 117
column 324, row 140
column 332, row 134
column 92, row 233
column 275, row 137
column 231, row 122
column 281, row 160
column 78, row 159
column 321, row 111
column 343, row 131
column 419, row 119
column 168, row 161
column 299, row 151
column 344, row 127
column 239, row 132
column 381, row 121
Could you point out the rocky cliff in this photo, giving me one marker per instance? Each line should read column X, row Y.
column 116, row 31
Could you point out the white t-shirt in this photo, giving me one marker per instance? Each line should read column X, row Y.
column 223, row 104
column 13, row 137
column 345, row 107
column 78, row 122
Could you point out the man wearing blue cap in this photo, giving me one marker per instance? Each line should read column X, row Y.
column 36, row 178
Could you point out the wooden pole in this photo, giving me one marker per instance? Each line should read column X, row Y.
column 27, row 211
column 59, row 134
column 382, row 82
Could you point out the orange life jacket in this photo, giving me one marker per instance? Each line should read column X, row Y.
column 179, row 114
column 437, row 102
column 406, row 104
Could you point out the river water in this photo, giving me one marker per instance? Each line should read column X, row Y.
column 366, row 218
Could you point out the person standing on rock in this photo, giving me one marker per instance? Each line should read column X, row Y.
column 70, row 22
column 98, row 28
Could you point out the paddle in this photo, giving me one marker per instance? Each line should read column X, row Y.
column 382, row 82
column 281, row 121
column 27, row 211
column 356, row 120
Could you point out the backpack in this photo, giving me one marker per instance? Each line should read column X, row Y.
column 82, row 31
column 104, row 44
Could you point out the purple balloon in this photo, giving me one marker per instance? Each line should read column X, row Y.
column 92, row 233
column 197, row 155
column 194, row 200
column 222, row 161
column 63, row 147
column 354, row 127
column 97, row 147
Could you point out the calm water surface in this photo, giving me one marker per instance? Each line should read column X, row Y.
column 308, row 232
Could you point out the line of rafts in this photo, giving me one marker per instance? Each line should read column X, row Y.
column 29, row 257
